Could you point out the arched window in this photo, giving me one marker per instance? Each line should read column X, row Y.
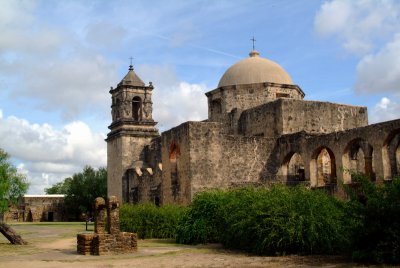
column 323, row 168
column 292, row 170
column 137, row 108
column 391, row 155
column 358, row 158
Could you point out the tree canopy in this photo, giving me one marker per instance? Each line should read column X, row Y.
column 61, row 187
column 12, row 183
column 81, row 190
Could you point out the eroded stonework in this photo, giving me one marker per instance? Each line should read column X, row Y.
column 256, row 134
column 107, row 238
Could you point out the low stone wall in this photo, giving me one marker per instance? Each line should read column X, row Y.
column 110, row 241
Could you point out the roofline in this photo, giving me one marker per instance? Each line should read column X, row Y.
column 44, row 195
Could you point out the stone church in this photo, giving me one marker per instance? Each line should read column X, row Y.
column 259, row 131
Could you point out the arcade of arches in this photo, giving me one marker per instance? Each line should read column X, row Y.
column 325, row 166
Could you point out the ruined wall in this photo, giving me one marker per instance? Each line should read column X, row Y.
column 378, row 157
column 286, row 116
column 37, row 208
column 107, row 238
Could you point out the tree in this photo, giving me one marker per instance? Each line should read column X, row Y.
column 83, row 188
column 60, row 187
column 12, row 186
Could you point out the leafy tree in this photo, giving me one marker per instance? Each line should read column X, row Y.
column 84, row 188
column 12, row 186
column 60, row 187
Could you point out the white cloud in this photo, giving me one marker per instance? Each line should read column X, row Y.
column 386, row 109
column 48, row 155
column 174, row 101
column 369, row 29
column 358, row 24
column 380, row 71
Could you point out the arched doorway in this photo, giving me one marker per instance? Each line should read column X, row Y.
column 323, row 168
column 391, row 155
column 292, row 170
column 358, row 158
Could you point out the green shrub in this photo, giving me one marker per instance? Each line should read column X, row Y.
column 376, row 210
column 150, row 221
column 278, row 220
column 202, row 221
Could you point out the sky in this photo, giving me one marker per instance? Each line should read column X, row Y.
column 58, row 60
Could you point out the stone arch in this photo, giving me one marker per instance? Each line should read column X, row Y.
column 323, row 167
column 292, row 169
column 137, row 108
column 391, row 155
column 358, row 158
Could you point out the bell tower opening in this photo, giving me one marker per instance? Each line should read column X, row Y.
column 137, row 108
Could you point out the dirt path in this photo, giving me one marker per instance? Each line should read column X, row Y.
column 54, row 245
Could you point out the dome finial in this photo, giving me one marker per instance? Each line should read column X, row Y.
column 254, row 52
column 254, row 41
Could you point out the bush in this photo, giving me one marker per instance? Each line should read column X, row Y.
column 150, row 221
column 376, row 211
column 278, row 220
column 202, row 222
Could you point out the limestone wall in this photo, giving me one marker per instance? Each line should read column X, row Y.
column 43, row 208
column 286, row 116
column 208, row 158
column 176, row 173
column 122, row 153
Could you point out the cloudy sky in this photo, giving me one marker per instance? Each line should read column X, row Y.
column 58, row 60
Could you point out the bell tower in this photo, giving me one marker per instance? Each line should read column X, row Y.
column 132, row 128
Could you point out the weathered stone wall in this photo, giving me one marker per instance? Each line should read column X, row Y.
column 37, row 208
column 122, row 153
column 107, row 238
column 377, row 142
column 285, row 116
column 175, row 151
column 208, row 158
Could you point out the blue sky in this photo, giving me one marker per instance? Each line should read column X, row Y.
column 58, row 60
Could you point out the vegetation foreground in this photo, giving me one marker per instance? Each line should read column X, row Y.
column 54, row 245
column 282, row 220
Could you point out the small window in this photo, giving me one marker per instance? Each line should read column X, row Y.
column 216, row 106
column 282, row 95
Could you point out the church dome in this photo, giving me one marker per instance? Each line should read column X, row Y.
column 254, row 70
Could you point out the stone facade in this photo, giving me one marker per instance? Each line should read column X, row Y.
column 258, row 133
column 36, row 208
column 107, row 238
